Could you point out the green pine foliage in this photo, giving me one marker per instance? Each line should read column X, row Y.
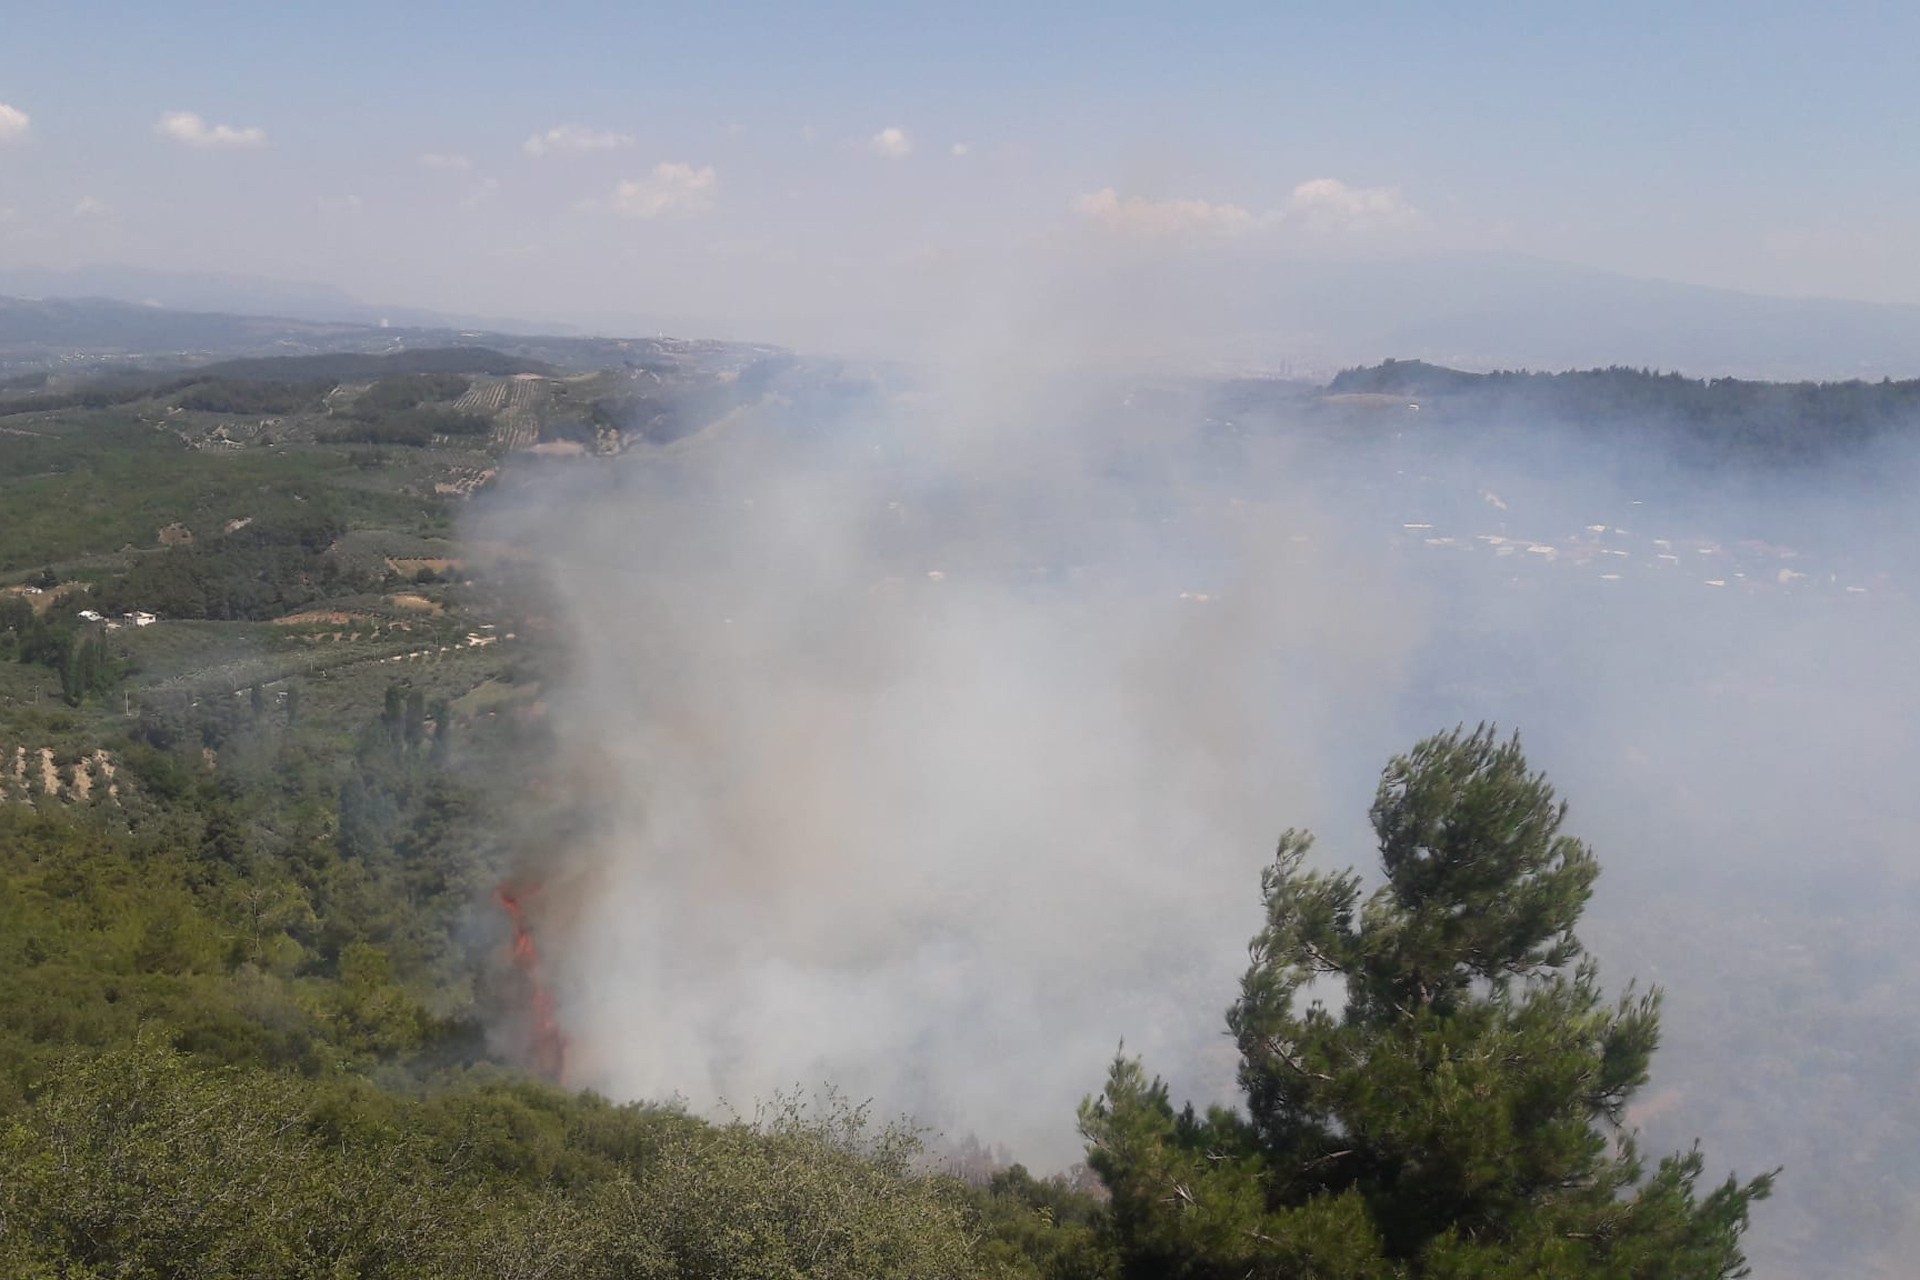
column 1043, row 1227
column 1460, row 1112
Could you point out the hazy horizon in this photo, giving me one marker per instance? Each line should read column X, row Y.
column 866, row 178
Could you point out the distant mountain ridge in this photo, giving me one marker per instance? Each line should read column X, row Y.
column 80, row 338
column 1506, row 311
column 1723, row 419
column 1226, row 308
column 229, row 294
column 107, row 325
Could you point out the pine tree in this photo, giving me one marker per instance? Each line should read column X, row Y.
column 1462, row 1112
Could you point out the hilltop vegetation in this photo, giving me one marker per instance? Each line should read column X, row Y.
column 1722, row 421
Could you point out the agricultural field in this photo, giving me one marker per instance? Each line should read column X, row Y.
column 194, row 553
column 226, row 547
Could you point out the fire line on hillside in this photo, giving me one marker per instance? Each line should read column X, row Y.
column 545, row 1046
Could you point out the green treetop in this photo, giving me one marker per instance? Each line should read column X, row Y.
column 1460, row 1113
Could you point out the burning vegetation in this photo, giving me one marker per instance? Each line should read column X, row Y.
column 541, row 1045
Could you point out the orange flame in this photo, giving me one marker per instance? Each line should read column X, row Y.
column 546, row 1043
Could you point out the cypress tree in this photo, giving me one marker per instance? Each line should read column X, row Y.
column 415, row 718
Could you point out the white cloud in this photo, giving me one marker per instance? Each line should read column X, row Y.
column 671, row 190
column 479, row 188
column 89, row 207
column 961, row 149
column 1328, row 204
column 14, row 123
column 1321, row 206
column 575, row 139
column 1136, row 215
column 480, row 193
column 891, row 142
column 189, row 130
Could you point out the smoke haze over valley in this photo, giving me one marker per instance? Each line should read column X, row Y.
column 596, row 601
column 936, row 737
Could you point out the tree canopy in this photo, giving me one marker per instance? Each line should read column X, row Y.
column 1462, row 1111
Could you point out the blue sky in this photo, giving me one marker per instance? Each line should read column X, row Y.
column 733, row 162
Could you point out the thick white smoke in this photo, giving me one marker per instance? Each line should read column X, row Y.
column 933, row 783
column 936, row 742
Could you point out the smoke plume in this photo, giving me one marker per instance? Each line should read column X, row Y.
column 934, row 734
